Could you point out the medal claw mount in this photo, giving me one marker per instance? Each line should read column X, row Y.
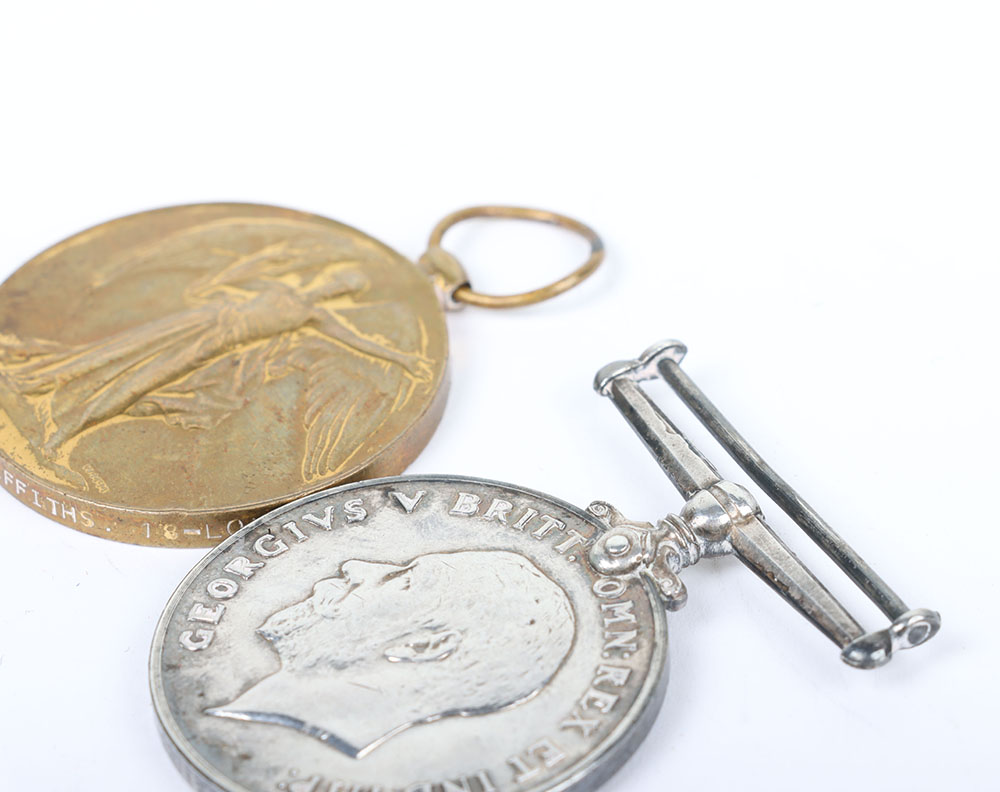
column 723, row 518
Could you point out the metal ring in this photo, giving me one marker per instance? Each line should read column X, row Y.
column 467, row 294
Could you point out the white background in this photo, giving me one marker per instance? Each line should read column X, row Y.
column 805, row 193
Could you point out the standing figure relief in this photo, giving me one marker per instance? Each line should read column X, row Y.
column 282, row 308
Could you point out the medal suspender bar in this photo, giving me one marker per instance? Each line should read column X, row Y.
column 723, row 518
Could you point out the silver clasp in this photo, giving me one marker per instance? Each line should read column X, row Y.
column 723, row 518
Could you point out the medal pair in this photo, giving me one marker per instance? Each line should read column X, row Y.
column 206, row 373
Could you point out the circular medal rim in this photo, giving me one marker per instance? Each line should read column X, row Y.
column 425, row 422
column 588, row 773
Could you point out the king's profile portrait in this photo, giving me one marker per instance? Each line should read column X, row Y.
column 380, row 648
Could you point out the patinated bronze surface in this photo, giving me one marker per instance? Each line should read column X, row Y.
column 167, row 375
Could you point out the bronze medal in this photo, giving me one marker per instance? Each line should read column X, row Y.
column 168, row 376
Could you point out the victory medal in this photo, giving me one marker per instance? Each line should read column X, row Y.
column 169, row 376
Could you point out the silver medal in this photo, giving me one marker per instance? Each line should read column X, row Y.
column 449, row 634
column 419, row 633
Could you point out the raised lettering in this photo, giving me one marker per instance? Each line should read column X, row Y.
column 202, row 613
column 243, row 566
column 548, row 523
column 196, row 640
column 277, row 548
column 466, row 504
column 498, row 510
column 609, row 588
column 354, row 510
column 294, row 530
column 618, row 612
column 325, row 522
column 586, row 726
column 545, row 751
column 625, row 641
column 598, row 700
column 408, row 503
column 522, row 770
column 573, row 539
column 548, row 752
column 524, row 519
column 612, row 675
column 222, row 588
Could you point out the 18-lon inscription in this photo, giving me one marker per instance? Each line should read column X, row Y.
column 427, row 634
column 167, row 375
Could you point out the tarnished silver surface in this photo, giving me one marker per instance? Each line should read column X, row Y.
column 426, row 634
